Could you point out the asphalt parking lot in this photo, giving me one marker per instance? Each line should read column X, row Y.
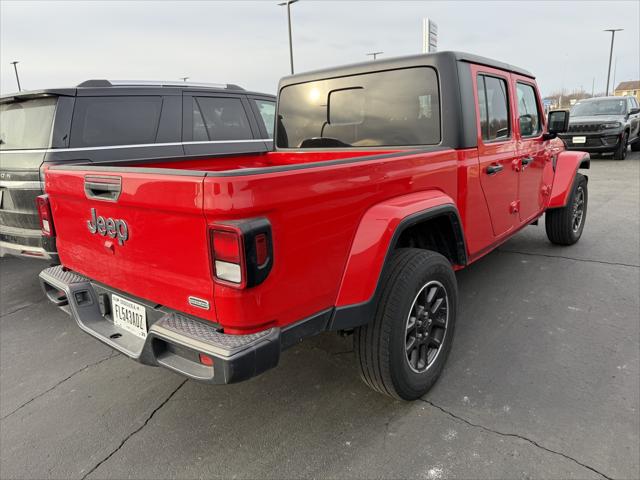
column 542, row 381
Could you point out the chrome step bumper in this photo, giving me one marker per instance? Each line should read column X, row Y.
column 174, row 340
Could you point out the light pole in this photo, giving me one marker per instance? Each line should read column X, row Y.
column 15, row 63
column 374, row 54
column 288, row 4
column 613, row 36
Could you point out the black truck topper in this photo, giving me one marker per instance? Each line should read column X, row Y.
column 458, row 111
column 427, row 59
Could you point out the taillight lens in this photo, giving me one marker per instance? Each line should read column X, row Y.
column 44, row 212
column 227, row 246
column 242, row 252
column 262, row 254
column 227, row 255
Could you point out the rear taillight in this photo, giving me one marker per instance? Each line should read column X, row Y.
column 46, row 219
column 227, row 254
column 242, row 252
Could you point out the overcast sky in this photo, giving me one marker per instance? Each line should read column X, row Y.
column 245, row 42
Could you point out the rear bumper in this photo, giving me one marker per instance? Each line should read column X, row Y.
column 173, row 340
column 19, row 250
column 26, row 242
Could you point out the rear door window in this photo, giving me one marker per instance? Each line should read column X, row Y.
column 528, row 111
column 27, row 124
column 493, row 103
column 267, row 110
column 220, row 118
column 112, row 120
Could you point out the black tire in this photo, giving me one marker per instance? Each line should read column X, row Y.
column 381, row 346
column 621, row 151
column 562, row 224
column 635, row 146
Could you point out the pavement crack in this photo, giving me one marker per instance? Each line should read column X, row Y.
column 602, row 262
column 113, row 354
column 515, row 435
column 6, row 314
column 126, row 439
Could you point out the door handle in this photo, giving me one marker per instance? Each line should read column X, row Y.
column 526, row 161
column 494, row 168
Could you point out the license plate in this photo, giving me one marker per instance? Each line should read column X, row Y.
column 129, row 315
column 579, row 139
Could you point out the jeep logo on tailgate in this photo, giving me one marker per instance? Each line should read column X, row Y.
column 109, row 226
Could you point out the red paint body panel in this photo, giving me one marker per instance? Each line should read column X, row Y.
column 372, row 239
column 314, row 214
column 567, row 165
column 166, row 257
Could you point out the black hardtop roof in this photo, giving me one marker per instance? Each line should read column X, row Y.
column 401, row 62
column 106, row 87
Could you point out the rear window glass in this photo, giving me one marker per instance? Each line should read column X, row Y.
column 102, row 121
column 493, row 103
column 219, row 118
column 391, row 108
column 25, row 125
column 267, row 111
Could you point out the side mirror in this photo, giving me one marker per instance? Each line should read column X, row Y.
column 633, row 111
column 557, row 122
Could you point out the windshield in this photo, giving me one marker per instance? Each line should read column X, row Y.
column 600, row 107
column 27, row 124
column 390, row 108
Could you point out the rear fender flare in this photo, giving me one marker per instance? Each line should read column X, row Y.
column 566, row 167
column 376, row 237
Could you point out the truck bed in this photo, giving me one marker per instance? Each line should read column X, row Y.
column 170, row 206
column 254, row 161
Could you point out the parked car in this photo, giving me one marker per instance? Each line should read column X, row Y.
column 103, row 122
column 387, row 177
column 604, row 125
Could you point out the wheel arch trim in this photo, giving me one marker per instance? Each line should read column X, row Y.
column 567, row 165
column 376, row 238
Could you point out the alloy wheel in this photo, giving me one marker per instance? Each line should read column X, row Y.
column 578, row 209
column 426, row 326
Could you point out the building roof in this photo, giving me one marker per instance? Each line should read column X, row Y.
column 630, row 85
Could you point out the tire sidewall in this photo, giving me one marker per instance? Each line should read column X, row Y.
column 621, row 152
column 408, row 383
column 580, row 182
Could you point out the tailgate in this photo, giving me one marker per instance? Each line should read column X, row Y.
column 143, row 233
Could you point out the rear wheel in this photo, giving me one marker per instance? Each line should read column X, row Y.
column 402, row 351
column 621, row 151
column 565, row 225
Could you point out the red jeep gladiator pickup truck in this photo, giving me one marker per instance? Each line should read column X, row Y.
column 385, row 178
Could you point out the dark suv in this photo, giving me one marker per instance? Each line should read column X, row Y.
column 103, row 122
column 604, row 125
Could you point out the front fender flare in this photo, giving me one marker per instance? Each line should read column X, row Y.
column 567, row 165
column 377, row 234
